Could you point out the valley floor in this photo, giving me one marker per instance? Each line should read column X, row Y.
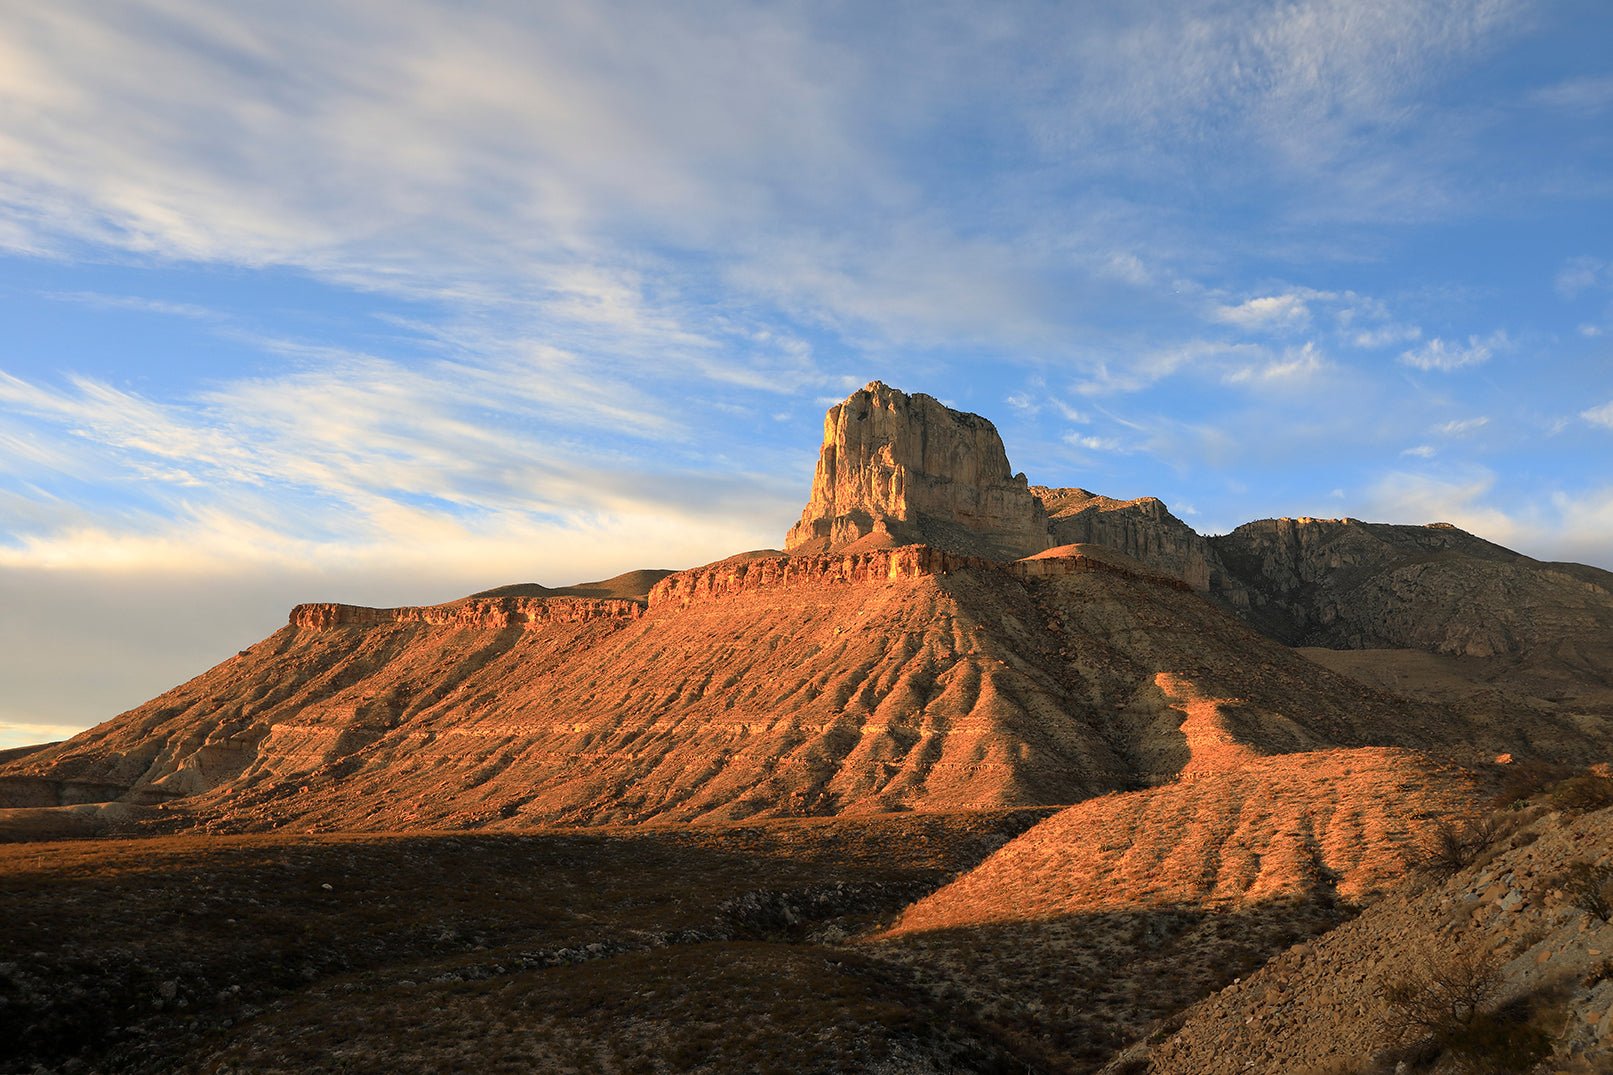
column 703, row 948
column 900, row 944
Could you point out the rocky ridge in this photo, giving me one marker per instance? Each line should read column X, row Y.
column 488, row 613
column 854, row 674
column 1347, row 584
column 1143, row 529
column 742, row 691
column 941, row 640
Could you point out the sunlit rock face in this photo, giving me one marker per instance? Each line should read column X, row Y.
column 899, row 469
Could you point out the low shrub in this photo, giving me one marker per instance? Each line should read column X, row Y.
column 1450, row 1010
column 1453, row 846
column 1582, row 794
column 1589, row 887
column 1442, row 1001
column 1524, row 780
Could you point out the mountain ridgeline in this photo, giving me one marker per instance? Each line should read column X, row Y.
column 938, row 634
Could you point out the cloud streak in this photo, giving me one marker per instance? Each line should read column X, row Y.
column 1443, row 356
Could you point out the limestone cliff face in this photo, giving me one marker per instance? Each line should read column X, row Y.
column 1142, row 529
column 897, row 469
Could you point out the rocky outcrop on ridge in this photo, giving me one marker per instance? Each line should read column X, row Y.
column 485, row 612
column 896, row 469
column 744, row 574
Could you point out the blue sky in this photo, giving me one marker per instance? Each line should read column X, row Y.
column 311, row 301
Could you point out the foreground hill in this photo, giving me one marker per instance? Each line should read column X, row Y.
column 1509, row 959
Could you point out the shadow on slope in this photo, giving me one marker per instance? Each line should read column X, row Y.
column 132, row 955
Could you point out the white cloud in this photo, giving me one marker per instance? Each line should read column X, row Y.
column 1582, row 274
column 1589, row 331
column 1069, row 413
column 1460, row 427
column 1200, row 357
column 1299, row 80
column 1442, row 356
column 1456, row 496
column 1588, row 93
column 1295, row 366
column 1385, row 336
column 1556, row 525
column 22, row 730
column 1268, row 312
column 360, row 456
column 1421, row 451
column 474, row 156
column 1092, row 443
column 1600, row 416
column 1128, row 268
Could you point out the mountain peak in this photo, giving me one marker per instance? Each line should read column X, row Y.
column 899, row 469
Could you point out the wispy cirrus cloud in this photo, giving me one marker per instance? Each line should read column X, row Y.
column 1388, row 335
column 1294, row 366
column 465, row 154
column 1582, row 274
column 1461, row 427
column 1599, row 416
column 359, row 452
column 1444, row 356
column 1586, row 93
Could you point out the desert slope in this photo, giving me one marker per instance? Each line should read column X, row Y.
column 1323, row 1006
column 893, row 680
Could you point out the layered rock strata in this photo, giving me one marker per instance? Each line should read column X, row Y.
column 896, row 469
column 493, row 612
column 881, row 565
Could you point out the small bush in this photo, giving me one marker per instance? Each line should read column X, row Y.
column 1500, row 1043
column 1590, row 888
column 1522, row 781
column 1450, row 1010
column 1442, row 1001
column 1452, row 847
column 1583, row 793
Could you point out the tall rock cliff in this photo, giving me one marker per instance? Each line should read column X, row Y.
column 897, row 469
